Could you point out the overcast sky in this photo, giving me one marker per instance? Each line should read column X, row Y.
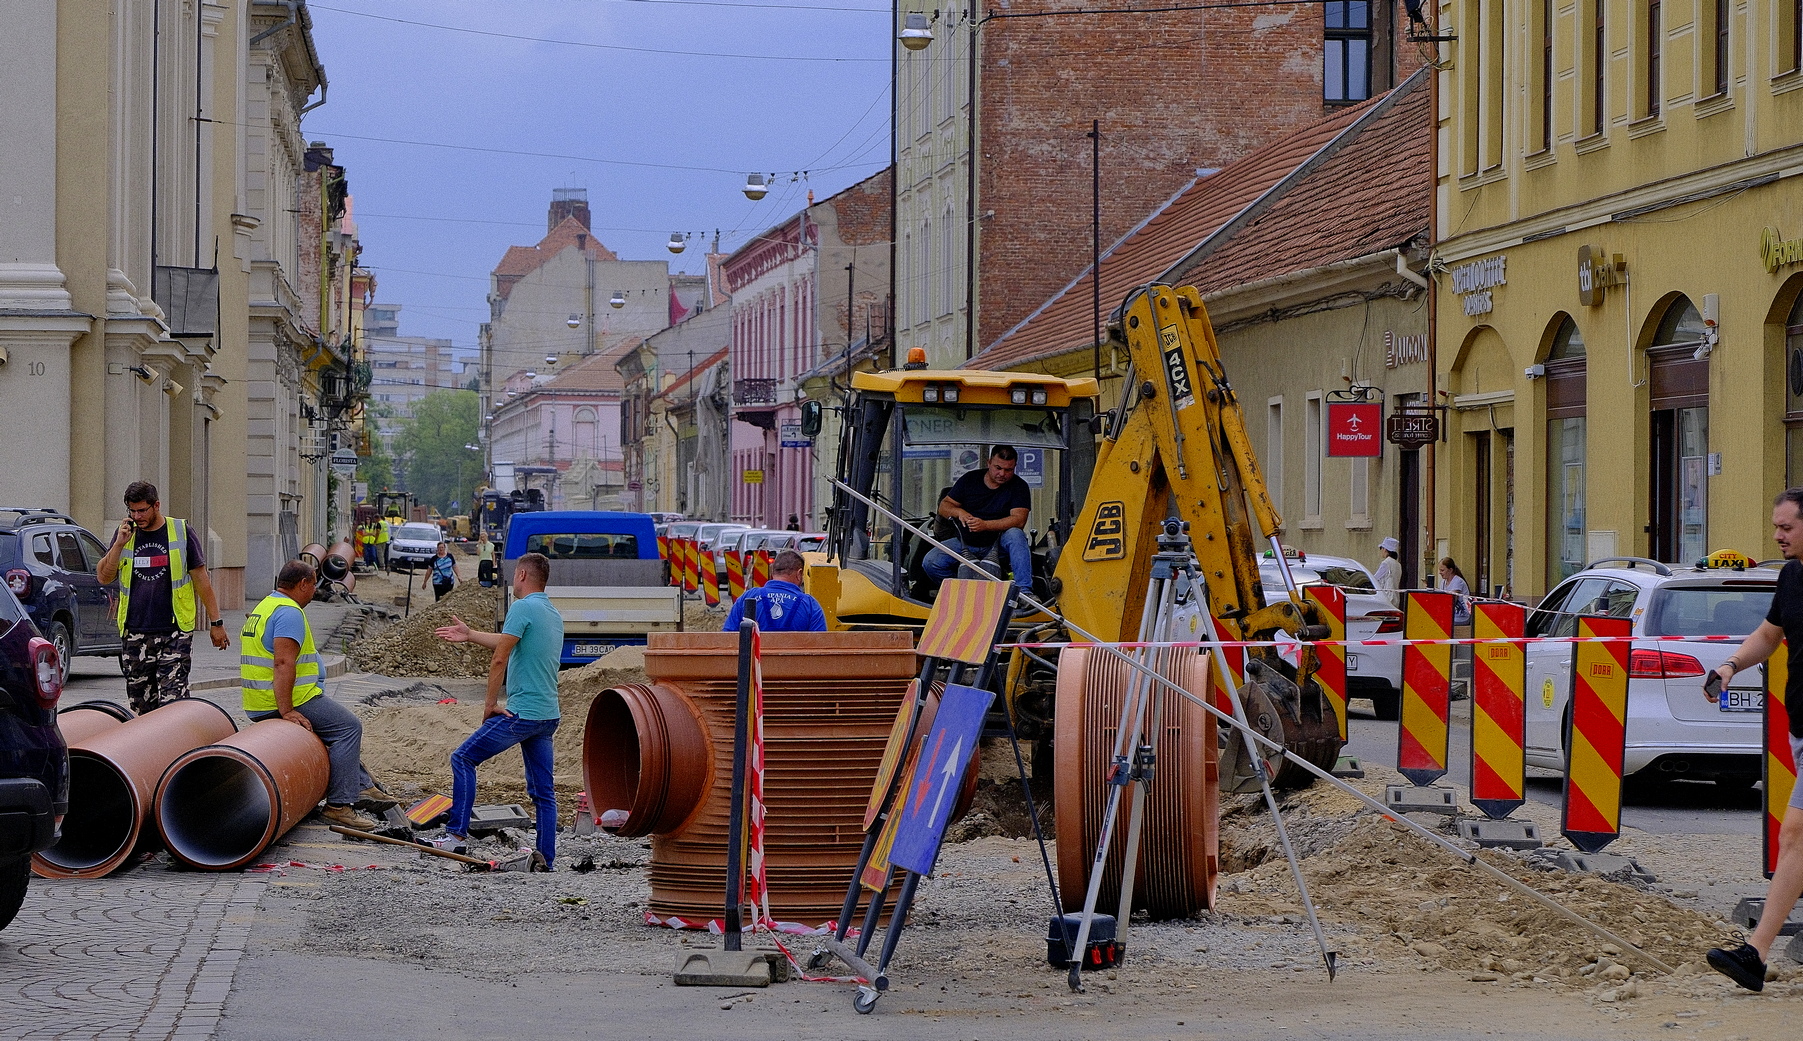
column 658, row 107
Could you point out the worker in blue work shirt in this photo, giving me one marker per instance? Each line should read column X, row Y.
column 781, row 606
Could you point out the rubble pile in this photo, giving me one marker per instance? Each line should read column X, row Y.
column 409, row 648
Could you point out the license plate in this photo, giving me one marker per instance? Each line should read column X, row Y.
column 1742, row 701
column 592, row 650
column 1352, row 663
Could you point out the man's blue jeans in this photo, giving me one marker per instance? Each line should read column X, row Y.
column 496, row 735
column 1012, row 543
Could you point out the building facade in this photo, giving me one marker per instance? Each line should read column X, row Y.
column 1171, row 92
column 155, row 196
column 565, row 429
column 802, row 293
column 659, row 426
column 404, row 369
column 1618, row 322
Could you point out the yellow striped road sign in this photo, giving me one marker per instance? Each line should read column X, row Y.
column 1498, row 709
column 735, row 573
column 1780, row 766
column 1421, row 750
column 962, row 624
column 1330, row 658
column 1599, row 731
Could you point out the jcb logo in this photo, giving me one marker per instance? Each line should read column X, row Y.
column 1602, row 670
column 1107, row 536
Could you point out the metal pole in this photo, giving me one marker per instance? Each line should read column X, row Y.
column 735, row 820
column 1095, row 236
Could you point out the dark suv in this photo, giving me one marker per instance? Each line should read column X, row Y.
column 34, row 761
column 49, row 562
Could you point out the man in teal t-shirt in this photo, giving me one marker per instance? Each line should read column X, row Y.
column 526, row 654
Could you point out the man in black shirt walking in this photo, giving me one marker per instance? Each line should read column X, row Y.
column 989, row 507
column 1745, row 964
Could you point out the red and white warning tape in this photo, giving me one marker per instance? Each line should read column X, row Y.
column 1288, row 642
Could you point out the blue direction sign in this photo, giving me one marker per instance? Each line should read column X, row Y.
column 938, row 775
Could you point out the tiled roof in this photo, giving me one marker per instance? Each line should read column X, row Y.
column 700, row 369
column 593, row 373
column 1369, row 196
column 520, row 261
column 1207, row 208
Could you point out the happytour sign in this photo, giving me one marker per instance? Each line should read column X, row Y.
column 1355, row 429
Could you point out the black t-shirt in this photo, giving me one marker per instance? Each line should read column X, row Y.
column 151, row 610
column 977, row 498
column 1787, row 614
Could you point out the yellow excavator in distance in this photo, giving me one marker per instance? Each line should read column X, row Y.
column 1176, row 445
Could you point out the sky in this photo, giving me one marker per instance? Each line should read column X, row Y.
column 455, row 119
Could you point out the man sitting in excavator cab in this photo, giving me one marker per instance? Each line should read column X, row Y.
column 989, row 509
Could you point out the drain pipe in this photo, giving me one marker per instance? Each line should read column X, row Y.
column 219, row 806
column 112, row 776
column 90, row 719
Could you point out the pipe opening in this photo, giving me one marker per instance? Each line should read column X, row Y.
column 215, row 811
column 103, row 817
column 611, row 756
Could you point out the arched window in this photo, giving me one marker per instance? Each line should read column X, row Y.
column 1793, row 396
column 1566, row 453
column 1678, row 382
column 586, row 445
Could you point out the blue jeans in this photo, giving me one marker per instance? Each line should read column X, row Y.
column 1012, row 543
column 342, row 734
column 496, row 735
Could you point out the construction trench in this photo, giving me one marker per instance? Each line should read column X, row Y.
column 1391, row 905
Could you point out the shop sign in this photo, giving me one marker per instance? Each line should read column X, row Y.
column 754, row 477
column 1353, row 429
column 1474, row 282
column 1597, row 271
column 1413, row 429
column 1779, row 252
column 1403, row 350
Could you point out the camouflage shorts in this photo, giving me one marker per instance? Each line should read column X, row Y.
column 156, row 668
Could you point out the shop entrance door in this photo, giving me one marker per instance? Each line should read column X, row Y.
column 1479, row 579
column 1678, row 532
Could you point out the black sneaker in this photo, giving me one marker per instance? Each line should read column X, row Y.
column 1741, row 964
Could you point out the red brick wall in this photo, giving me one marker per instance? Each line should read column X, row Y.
column 1173, row 91
column 863, row 211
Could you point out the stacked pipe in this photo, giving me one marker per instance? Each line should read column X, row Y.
column 113, row 772
column 216, row 797
column 662, row 752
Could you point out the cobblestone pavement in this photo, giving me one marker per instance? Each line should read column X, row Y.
column 150, row 954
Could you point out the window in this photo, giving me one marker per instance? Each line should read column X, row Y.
column 43, row 550
column 1346, row 63
column 1274, row 452
column 926, row 278
column 587, row 546
column 1470, row 73
column 1311, row 462
column 1793, row 396
column 948, row 288
column 1358, row 497
column 68, row 547
column 1546, row 75
column 1722, row 16
column 1566, row 451
column 1654, row 37
column 1599, row 57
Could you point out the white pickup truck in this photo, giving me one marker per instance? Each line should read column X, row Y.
column 606, row 578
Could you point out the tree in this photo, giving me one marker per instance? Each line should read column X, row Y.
column 431, row 448
column 376, row 469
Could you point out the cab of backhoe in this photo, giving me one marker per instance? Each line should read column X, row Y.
column 908, row 435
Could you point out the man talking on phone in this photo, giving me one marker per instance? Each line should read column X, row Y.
column 163, row 587
column 1745, row 963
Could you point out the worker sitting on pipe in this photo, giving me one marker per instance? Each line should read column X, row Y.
column 281, row 674
column 780, row 605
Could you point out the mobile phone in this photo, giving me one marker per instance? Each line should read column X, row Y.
column 1713, row 686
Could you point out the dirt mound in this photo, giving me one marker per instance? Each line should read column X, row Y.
column 408, row 740
column 1373, row 874
column 409, row 648
column 697, row 617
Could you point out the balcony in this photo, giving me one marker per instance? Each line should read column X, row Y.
column 754, row 392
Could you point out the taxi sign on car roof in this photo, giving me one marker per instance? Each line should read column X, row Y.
column 1727, row 558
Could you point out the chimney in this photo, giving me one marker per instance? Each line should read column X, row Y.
column 567, row 202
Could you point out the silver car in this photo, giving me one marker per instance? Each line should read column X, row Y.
column 1674, row 728
column 413, row 544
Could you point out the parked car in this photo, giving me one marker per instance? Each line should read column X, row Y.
column 1674, row 728
column 34, row 761
column 413, row 544
column 49, row 563
column 1371, row 672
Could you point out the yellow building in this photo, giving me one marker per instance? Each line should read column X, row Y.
column 1620, row 258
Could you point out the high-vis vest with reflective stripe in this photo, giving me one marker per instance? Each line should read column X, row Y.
column 256, row 663
column 181, row 584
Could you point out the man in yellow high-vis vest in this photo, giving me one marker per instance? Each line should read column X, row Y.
column 384, row 528
column 163, row 586
column 282, row 674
